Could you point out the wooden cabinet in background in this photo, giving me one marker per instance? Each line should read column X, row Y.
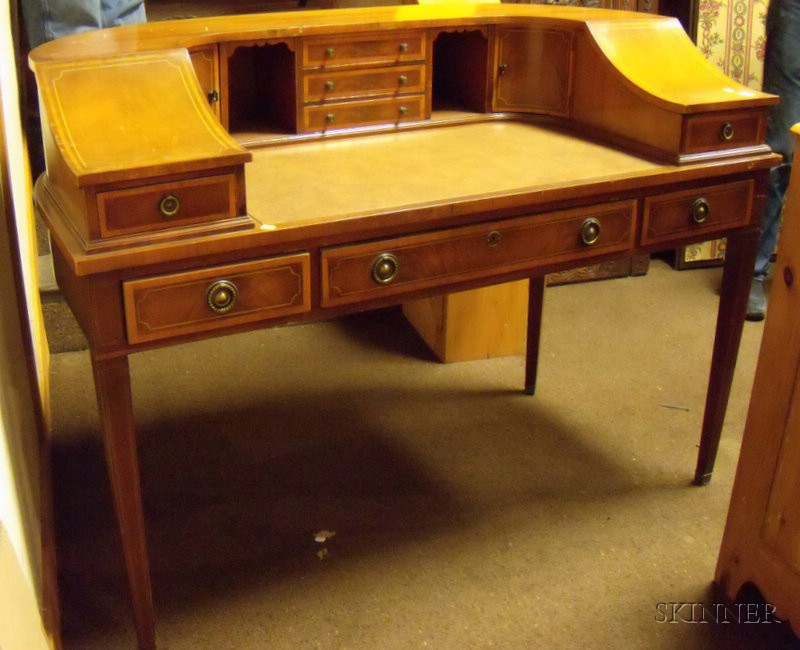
column 761, row 544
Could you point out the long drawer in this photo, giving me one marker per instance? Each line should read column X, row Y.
column 395, row 266
column 372, row 49
column 699, row 212
column 223, row 296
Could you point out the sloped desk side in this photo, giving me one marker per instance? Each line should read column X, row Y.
column 391, row 154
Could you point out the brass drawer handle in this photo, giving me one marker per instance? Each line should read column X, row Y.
column 403, row 110
column 221, row 296
column 330, row 118
column 402, row 80
column 493, row 238
column 385, row 268
column 590, row 231
column 329, row 85
column 404, row 47
column 170, row 205
column 701, row 210
column 726, row 132
column 330, row 52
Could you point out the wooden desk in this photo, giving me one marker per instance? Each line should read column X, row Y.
column 211, row 176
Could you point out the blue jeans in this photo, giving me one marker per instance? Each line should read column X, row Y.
column 46, row 20
column 781, row 77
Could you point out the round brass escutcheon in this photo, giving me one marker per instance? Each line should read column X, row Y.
column 385, row 268
column 701, row 210
column 329, row 85
column 726, row 132
column 494, row 238
column 169, row 205
column 590, row 231
column 330, row 52
column 221, row 296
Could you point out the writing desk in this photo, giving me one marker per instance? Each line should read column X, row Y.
column 210, row 176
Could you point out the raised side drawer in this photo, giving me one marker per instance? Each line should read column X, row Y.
column 719, row 131
column 327, row 86
column 223, row 296
column 364, row 113
column 700, row 212
column 363, row 49
column 167, row 205
column 405, row 264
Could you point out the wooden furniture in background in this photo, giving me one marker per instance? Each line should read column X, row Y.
column 761, row 543
column 220, row 197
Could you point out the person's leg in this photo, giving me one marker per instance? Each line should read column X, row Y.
column 781, row 77
column 122, row 12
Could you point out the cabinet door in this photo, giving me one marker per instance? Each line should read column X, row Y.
column 204, row 62
column 533, row 69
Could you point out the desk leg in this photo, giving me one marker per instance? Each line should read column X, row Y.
column 113, row 386
column 535, row 304
column 740, row 256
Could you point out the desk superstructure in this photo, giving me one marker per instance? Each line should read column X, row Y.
column 210, row 176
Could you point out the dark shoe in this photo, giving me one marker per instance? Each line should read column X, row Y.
column 757, row 302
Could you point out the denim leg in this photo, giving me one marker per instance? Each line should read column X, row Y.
column 46, row 20
column 781, row 77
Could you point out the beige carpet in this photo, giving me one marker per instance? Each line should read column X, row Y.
column 466, row 514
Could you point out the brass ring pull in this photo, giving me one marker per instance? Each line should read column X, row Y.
column 493, row 238
column 726, row 132
column 170, row 205
column 385, row 268
column 221, row 296
column 329, row 85
column 590, row 231
column 701, row 210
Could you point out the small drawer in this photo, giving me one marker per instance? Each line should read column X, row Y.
column 327, row 86
column 700, row 212
column 224, row 296
column 373, row 112
column 156, row 207
column 719, row 131
column 363, row 49
column 406, row 264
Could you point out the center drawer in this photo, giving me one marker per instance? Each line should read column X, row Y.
column 369, row 49
column 326, row 86
column 395, row 266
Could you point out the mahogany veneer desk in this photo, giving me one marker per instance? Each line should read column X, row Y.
column 210, row 176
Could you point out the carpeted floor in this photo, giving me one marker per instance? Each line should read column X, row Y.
column 466, row 514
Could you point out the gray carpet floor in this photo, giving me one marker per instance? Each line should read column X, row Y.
column 466, row 514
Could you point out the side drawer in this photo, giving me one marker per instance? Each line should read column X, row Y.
column 396, row 266
column 364, row 113
column 327, row 86
column 700, row 212
column 166, row 205
column 720, row 131
column 223, row 296
column 363, row 49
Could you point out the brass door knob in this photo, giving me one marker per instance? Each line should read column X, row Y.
column 590, row 231
column 385, row 268
column 169, row 205
column 221, row 296
column 213, row 96
column 502, row 69
column 726, row 132
column 701, row 210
